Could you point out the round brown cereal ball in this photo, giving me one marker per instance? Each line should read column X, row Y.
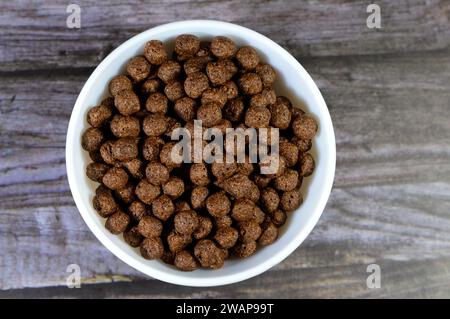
column 168, row 257
column 240, row 186
column 147, row 192
column 258, row 215
column 226, row 236
column 262, row 181
column 177, row 242
column 218, row 204
column 109, row 102
column 266, row 73
column 230, row 89
column 155, row 52
column 186, row 222
column 307, row 165
column 104, row 202
column 127, row 102
column 150, row 86
column 174, row 90
column 185, row 261
column 245, row 168
column 137, row 210
column 99, row 115
column 223, row 221
column 125, row 126
column 270, row 199
column 303, row 145
column 195, row 64
column 157, row 173
column 244, row 249
column 304, row 127
column 174, row 187
column 265, row 98
column 243, row 209
column 115, row 178
column 186, row 45
column 280, row 114
column 247, row 57
column 157, row 103
column 92, row 139
column 278, row 217
column 249, row 230
column 281, row 167
column 289, row 151
column 196, row 84
column 138, row 68
column 250, row 83
column 224, row 170
column 288, row 181
column 96, row 171
column 166, row 158
column 223, row 47
column 185, row 108
column 154, row 124
column 269, row 233
column 198, row 173
column 152, row 248
column 132, row 237
column 291, row 200
column 117, row 223
column 151, row 148
column 119, row 83
column 220, row 72
column 204, row 227
column 217, row 95
column 210, row 114
column 96, row 156
column 198, row 197
column 150, row 226
column 169, row 71
column 208, row 254
column 222, row 126
column 125, row 149
column 163, row 207
column 234, row 110
column 125, row 194
column 135, row 167
column 257, row 117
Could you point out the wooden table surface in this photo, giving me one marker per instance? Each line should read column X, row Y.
column 388, row 91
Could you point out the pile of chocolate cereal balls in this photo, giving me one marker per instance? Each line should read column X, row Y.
column 194, row 215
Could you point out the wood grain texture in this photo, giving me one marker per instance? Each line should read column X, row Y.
column 389, row 98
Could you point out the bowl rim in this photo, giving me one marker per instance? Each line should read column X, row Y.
column 179, row 279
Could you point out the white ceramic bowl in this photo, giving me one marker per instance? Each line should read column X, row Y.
column 293, row 81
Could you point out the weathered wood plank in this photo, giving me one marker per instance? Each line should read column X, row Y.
column 35, row 36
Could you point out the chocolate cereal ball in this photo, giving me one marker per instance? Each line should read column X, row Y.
column 149, row 227
column 218, row 204
column 169, row 71
column 243, row 210
column 278, row 217
column 204, row 227
column 265, row 98
column 125, row 149
column 280, row 115
column 115, row 178
column 303, row 145
column 196, row 84
column 117, row 223
column 119, row 83
column 186, row 222
column 217, row 95
column 174, row 90
column 104, row 202
column 157, row 103
column 195, row 64
column 223, row 221
column 125, row 126
column 270, row 199
column 261, row 181
column 138, row 68
column 125, row 194
column 240, row 186
column 249, row 230
column 166, row 158
column 155, row 52
column 220, row 72
column 257, row 117
column 147, row 192
column 244, row 249
column 266, row 73
column 289, row 151
column 163, row 207
column 291, row 200
column 92, row 139
column 154, row 124
column 198, row 173
column 96, row 171
column 198, row 197
column 127, row 102
column 177, row 242
column 223, row 47
column 226, row 236
column 185, row 261
column 135, row 167
column 150, row 86
column 99, row 115
column 269, row 233
column 174, row 187
column 234, row 110
column 152, row 248
column 230, row 89
column 185, row 108
column 247, row 57
column 132, row 237
column 288, row 181
column 210, row 114
column 137, row 210
column 307, row 165
column 151, row 148
column 186, row 45
column 304, row 127
column 157, row 173
column 224, row 170
column 250, row 83
column 208, row 254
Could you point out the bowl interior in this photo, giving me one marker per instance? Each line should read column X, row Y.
column 292, row 81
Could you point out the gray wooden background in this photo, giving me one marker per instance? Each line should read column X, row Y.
column 388, row 92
